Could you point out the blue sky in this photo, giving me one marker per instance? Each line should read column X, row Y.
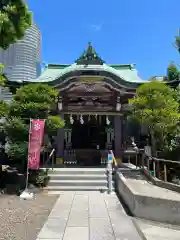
column 132, row 31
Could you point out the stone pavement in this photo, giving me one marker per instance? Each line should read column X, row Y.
column 88, row 216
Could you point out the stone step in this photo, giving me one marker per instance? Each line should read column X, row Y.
column 77, row 179
column 71, row 176
column 77, row 183
column 75, row 188
column 78, row 171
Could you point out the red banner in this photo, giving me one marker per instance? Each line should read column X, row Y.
column 36, row 132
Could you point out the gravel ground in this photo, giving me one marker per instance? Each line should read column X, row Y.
column 23, row 219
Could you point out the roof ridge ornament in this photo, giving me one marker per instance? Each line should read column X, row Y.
column 89, row 57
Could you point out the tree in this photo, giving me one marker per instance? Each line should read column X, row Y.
column 172, row 72
column 2, row 76
column 177, row 42
column 14, row 20
column 156, row 107
column 30, row 101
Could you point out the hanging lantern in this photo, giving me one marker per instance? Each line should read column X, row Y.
column 81, row 119
column 107, row 121
column 71, row 119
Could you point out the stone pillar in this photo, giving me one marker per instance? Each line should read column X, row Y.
column 117, row 136
column 60, row 142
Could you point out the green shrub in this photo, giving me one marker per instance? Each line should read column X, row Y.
column 39, row 178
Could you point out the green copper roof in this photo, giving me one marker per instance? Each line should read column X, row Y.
column 89, row 56
column 123, row 74
column 126, row 72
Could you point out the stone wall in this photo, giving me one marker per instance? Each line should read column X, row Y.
column 148, row 206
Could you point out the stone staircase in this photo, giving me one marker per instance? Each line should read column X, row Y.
column 77, row 179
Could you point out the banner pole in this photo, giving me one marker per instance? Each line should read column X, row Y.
column 26, row 194
column 27, row 170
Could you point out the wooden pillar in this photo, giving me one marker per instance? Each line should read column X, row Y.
column 124, row 131
column 117, row 136
column 60, row 142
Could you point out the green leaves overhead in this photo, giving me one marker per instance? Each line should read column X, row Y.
column 14, row 20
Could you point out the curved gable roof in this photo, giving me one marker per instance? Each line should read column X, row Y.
column 127, row 72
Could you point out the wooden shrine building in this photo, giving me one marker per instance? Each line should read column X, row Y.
column 93, row 101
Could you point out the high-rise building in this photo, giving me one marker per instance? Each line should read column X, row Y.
column 22, row 60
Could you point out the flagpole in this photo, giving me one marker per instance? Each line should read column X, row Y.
column 27, row 170
column 25, row 194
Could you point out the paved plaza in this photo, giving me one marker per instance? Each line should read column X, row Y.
column 88, row 216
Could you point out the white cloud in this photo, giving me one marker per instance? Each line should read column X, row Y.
column 96, row 27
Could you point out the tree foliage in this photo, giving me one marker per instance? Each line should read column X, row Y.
column 14, row 20
column 33, row 101
column 2, row 76
column 15, row 128
column 177, row 42
column 156, row 107
column 172, row 72
column 52, row 124
column 38, row 93
column 17, row 151
column 4, row 108
column 37, row 101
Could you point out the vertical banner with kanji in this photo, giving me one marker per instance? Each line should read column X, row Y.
column 36, row 132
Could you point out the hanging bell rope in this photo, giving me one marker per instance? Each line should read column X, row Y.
column 107, row 121
column 81, row 119
column 71, row 119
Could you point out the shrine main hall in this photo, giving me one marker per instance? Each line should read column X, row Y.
column 93, row 101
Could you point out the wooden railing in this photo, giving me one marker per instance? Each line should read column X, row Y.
column 157, row 167
column 162, row 168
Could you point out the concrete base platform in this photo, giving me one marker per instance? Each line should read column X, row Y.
column 149, row 201
column 158, row 231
